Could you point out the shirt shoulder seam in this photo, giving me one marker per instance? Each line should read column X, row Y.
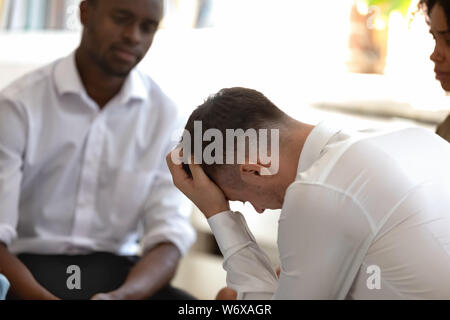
column 26, row 82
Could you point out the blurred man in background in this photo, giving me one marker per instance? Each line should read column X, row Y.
column 82, row 145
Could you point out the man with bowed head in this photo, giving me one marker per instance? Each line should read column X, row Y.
column 352, row 203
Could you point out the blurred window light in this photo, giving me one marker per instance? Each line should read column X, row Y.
column 302, row 44
column 362, row 7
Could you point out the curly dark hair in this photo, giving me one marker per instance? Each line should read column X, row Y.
column 427, row 5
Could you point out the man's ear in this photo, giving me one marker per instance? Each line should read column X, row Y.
column 84, row 9
column 252, row 173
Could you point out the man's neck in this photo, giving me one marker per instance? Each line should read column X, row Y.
column 100, row 86
column 293, row 150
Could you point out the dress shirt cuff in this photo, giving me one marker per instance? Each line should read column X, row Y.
column 230, row 230
column 7, row 234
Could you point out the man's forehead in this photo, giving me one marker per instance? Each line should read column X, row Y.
column 151, row 8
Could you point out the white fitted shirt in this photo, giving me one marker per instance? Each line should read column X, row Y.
column 367, row 217
column 74, row 179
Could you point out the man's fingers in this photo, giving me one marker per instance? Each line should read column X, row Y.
column 203, row 192
column 101, row 296
column 197, row 173
column 179, row 175
column 173, row 155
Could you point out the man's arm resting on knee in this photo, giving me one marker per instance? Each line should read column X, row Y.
column 23, row 285
column 154, row 270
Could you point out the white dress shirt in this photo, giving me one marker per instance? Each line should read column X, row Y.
column 74, row 179
column 364, row 206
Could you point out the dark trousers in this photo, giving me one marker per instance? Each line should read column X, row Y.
column 99, row 273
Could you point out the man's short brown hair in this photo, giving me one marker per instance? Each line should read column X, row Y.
column 235, row 108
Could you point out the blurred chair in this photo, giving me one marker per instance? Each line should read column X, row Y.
column 4, row 286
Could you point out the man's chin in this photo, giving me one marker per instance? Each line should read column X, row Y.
column 119, row 72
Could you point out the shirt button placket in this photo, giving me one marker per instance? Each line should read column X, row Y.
column 89, row 179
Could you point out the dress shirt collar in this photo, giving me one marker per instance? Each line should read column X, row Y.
column 67, row 80
column 315, row 143
column 134, row 88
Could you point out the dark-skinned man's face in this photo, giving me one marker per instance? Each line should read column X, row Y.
column 118, row 33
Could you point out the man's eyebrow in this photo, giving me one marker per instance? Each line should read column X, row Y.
column 130, row 13
column 122, row 12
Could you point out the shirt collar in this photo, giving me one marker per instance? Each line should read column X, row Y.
column 67, row 80
column 134, row 88
column 315, row 143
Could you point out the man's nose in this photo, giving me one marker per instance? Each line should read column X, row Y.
column 132, row 34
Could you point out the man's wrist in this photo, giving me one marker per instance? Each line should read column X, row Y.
column 213, row 212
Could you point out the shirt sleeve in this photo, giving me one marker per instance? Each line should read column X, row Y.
column 323, row 237
column 249, row 270
column 167, row 211
column 13, row 132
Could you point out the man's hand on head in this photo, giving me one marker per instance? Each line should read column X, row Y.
column 203, row 192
